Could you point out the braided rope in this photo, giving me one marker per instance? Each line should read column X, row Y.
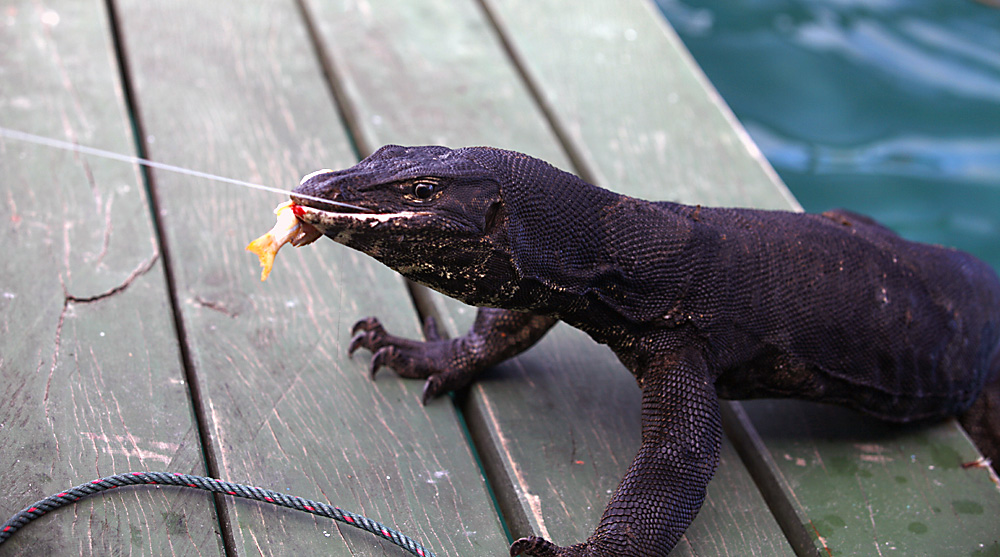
column 74, row 494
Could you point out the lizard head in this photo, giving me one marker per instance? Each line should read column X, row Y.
column 430, row 213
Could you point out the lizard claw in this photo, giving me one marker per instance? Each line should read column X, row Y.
column 367, row 333
column 382, row 357
column 357, row 341
column 432, row 388
column 367, row 324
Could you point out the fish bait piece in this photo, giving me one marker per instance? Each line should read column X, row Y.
column 287, row 229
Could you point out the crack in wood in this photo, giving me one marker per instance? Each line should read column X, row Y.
column 142, row 269
column 68, row 301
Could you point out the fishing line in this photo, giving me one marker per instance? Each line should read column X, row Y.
column 74, row 494
column 82, row 149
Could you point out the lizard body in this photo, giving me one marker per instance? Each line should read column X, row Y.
column 698, row 303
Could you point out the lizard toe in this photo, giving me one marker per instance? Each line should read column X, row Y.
column 369, row 334
column 431, row 332
column 382, row 357
column 534, row 546
column 366, row 324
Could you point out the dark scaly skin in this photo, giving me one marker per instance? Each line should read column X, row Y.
column 698, row 303
column 446, row 364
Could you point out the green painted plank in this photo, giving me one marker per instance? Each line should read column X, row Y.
column 235, row 89
column 89, row 388
column 634, row 102
column 864, row 487
column 450, row 82
column 429, row 72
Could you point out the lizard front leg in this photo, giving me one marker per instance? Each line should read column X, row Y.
column 665, row 485
column 449, row 364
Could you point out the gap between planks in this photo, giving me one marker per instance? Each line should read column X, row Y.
column 194, row 394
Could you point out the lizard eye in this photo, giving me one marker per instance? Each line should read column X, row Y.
column 423, row 190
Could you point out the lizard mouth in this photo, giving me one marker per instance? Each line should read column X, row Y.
column 328, row 216
column 331, row 215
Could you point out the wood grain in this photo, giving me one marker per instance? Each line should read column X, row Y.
column 633, row 103
column 235, row 89
column 90, row 365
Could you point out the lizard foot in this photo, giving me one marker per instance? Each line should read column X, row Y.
column 541, row 547
column 439, row 361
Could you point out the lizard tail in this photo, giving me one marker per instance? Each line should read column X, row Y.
column 982, row 419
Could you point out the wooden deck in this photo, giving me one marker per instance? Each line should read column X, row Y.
column 135, row 334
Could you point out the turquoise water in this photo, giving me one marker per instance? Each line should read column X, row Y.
column 886, row 107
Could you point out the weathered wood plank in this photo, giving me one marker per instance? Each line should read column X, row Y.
column 864, row 487
column 430, row 72
column 633, row 101
column 452, row 83
column 235, row 89
column 634, row 104
column 91, row 378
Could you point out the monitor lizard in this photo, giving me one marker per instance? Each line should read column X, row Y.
column 698, row 303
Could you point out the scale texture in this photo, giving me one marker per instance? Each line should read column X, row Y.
column 699, row 303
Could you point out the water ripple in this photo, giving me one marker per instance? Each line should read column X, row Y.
column 914, row 51
column 965, row 158
column 888, row 107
